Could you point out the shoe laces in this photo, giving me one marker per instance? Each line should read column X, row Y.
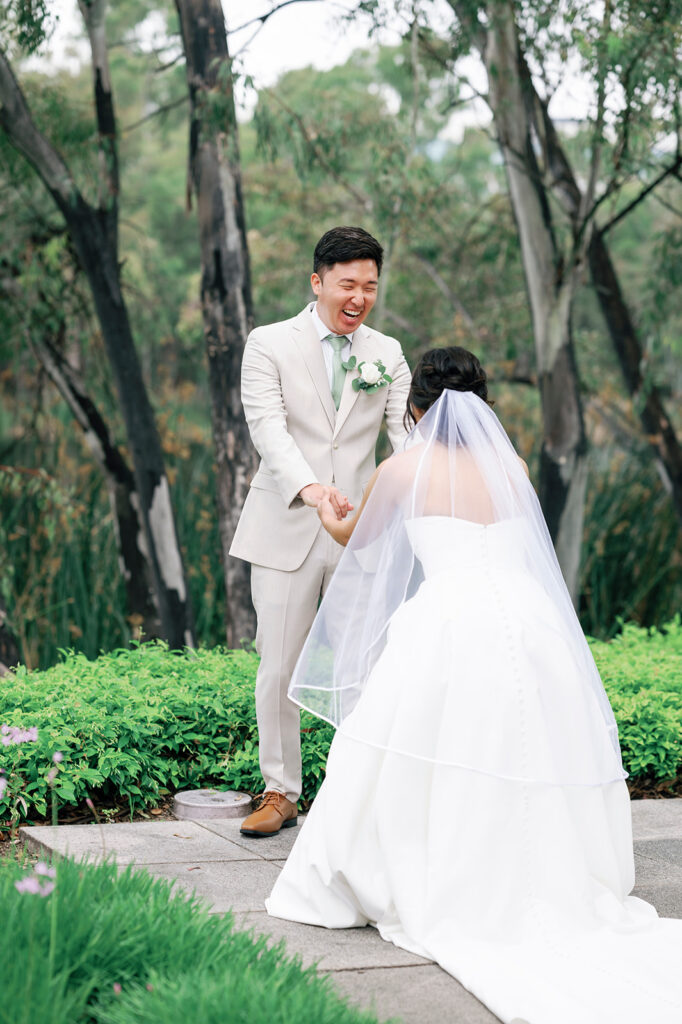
column 270, row 797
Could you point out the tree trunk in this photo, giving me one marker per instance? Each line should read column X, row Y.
column 645, row 395
column 551, row 288
column 159, row 540
column 647, row 399
column 10, row 655
column 215, row 179
column 123, row 496
column 94, row 232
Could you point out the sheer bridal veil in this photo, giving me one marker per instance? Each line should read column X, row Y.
column 451, row 557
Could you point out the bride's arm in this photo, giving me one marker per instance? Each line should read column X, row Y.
column 342, row 530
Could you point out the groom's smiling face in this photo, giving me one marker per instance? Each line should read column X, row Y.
column 345, row 294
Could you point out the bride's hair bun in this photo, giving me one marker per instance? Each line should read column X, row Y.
column 452, row 368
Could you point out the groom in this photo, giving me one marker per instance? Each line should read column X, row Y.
column 316, row 435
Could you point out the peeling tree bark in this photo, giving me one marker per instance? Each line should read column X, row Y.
column 646, row 397
column 94, row 232
column 123, row 497
column 551, row 285
column 215, row 180
column 590, row 243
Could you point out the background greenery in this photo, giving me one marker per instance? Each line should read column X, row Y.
column 321, row 148
column 136, row 724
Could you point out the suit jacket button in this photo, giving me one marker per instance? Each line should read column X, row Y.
column 336, row 446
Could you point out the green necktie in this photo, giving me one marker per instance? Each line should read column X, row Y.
column 338, row 372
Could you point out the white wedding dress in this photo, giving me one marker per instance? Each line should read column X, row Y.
column 439, row 823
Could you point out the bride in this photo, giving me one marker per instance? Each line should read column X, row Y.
column 474, row 809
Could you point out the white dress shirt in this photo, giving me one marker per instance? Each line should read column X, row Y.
column 327, row 349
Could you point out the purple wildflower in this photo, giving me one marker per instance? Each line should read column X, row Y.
column 41, row 868
column 10, row 734
column 117, row 988
column 3, row 787
column 29, row 884
column 32, row 884
column 57, row 756
column 51, row 776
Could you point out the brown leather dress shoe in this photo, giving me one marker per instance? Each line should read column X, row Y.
column 274, row 812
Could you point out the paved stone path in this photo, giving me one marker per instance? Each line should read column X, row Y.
column 232, row 872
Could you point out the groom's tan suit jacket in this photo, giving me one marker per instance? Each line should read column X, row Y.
column 302, row 439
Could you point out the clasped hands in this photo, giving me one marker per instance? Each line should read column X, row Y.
column 324, row 498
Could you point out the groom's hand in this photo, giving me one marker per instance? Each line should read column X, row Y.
column 313, row 494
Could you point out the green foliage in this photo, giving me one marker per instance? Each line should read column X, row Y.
column 25, row 23
column 59, row 576
column 369, row 142
column 91, row 951
column 136, row 724
column 632, row 557
column 642, row 674
column 62, row 581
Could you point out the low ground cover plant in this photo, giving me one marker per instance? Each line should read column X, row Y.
column 102, row 946
column 642, row 673
column 137, row 724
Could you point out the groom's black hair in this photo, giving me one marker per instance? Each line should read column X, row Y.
column 342, row 245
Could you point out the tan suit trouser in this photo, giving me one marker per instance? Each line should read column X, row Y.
column 286, row 604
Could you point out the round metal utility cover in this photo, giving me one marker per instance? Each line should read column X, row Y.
column 201, row 804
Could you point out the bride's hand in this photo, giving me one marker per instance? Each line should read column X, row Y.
column 327, row 512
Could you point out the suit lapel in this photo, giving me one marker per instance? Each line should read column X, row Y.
column 363, row 350
column 310, row 347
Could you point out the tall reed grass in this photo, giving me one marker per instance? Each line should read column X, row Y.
column 632, row 546
column 60, row 578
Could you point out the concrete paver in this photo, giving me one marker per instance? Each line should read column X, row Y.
column 668, row 851
column 237, row 885
column 666, row 898
column 140, row 842
column 657, row 819
column 229, row 871
column 418, row 995
column 274, row 848
column 653, row 870
column 336, row 949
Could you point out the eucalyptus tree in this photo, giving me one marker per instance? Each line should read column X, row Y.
column 214, row 177
column 94, row 232
column 629, row 55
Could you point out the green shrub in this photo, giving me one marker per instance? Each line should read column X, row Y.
column 642, row 674
column 136, row 724
column 109, row 947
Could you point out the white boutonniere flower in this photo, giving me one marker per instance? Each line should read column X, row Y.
column 371, row 376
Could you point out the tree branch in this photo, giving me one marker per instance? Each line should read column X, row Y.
column 364, row 200
column 94, row 15
column 587, row 198
column 264, row 17
column 445, row 289
column 672, row 169
column 16, row 120
column 155, row 113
